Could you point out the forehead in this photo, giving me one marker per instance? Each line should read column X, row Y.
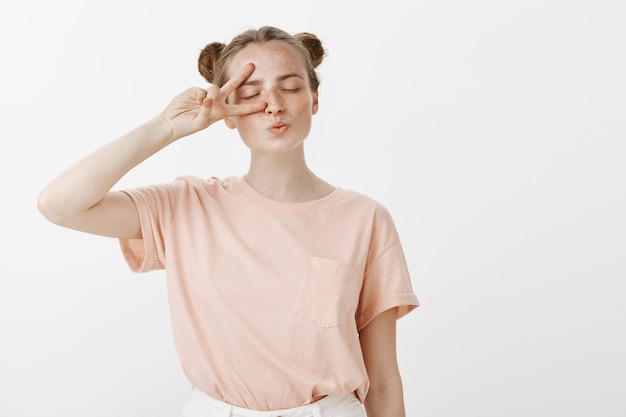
column 272, row 56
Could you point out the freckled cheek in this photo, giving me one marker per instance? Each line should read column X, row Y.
column 305, row 111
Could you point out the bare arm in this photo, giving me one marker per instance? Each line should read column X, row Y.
column 378, row 343
column 80, row 198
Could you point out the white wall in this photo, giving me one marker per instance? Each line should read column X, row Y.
column 494, row 132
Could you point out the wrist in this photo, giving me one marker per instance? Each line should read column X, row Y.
column 160, row 131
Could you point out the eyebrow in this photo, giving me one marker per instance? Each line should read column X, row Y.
column 281, row 78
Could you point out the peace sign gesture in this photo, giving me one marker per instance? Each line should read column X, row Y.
column 196, row 109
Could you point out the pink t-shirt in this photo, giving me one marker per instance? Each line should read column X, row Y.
column 266, row 297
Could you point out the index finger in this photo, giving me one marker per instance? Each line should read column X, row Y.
column 232, row 84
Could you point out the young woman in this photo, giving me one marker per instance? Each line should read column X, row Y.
column 284, row 289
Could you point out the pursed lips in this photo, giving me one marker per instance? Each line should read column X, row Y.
column 278, row 127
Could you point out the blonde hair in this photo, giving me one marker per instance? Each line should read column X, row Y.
column 215, row 58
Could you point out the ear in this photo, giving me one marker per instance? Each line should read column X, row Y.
column 229, row 122
column 315, row 106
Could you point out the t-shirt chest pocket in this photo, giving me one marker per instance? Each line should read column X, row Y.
column 328, row 293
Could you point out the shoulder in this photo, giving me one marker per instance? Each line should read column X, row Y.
column 181, row 188
column 192, row 181
column 363, row 203
column 196, row 185
column 372, row 216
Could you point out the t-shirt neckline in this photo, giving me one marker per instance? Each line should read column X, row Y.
column 270, row 203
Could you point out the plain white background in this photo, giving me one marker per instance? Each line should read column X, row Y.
column 494, row 131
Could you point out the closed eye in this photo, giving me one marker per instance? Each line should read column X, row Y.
column 249, row 96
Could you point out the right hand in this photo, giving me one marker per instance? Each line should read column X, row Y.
column 196, row 109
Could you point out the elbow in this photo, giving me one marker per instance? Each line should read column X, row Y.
column 45, row 206
column 385, row 398
column 50, row 208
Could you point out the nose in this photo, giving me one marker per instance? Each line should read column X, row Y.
column 274, row 102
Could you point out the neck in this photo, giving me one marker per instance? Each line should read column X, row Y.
column 285, row 177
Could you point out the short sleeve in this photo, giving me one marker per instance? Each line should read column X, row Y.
column 387, row 282
column 156, row 207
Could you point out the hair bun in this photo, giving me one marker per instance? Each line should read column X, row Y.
column 313, row 45
column 207, row 61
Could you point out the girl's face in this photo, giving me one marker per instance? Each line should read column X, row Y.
column 280, row 80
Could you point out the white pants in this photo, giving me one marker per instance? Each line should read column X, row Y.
column 201, row 405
